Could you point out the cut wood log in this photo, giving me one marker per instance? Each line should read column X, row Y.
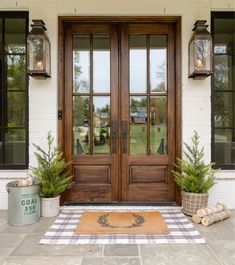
column 216, row 217
column 196, row 219
column 210, row 210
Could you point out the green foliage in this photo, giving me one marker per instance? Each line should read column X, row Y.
column 193, row 175
column 51, row 170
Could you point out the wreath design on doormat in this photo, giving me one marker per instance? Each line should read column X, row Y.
column 104, row 222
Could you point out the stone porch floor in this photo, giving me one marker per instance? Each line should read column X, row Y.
column 19, row 246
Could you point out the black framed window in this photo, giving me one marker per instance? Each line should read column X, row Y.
column 13, row 90
column 223, row 89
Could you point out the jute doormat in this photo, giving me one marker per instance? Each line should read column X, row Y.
column 149, row 223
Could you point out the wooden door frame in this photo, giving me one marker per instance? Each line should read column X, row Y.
column 64, row 20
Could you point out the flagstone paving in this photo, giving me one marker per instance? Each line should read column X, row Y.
column 19, row 246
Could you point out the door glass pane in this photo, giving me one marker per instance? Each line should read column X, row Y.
column 138, row 125
column 224, row 146
column 15, row 35
column 16, row 72
column 81, row 64
column 224, row 72
column 101, row 64
column 16, row 109
column 224, row 111
column 101, row 124
column 158, row 125
column 81, row 122
column 15, row 144
column 158, row 63
column 138, row 64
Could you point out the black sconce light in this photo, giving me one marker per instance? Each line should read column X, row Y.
column 200, row 51
column 39, row 51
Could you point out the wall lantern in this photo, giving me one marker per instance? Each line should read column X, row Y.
column 39, row 51
column 200, row 51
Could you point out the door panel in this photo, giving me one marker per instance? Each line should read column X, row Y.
column 91, row 52
column 120, row 111
column 148, row 112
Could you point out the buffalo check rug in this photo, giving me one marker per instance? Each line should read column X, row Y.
column 62, row 232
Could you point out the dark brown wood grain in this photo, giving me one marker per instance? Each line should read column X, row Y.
column 149, row 173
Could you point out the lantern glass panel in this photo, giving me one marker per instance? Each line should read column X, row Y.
column 202, row 54
column 36, row 53
column 47, row 57
column 191, row 57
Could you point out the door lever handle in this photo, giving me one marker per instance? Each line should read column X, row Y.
column 114, row 132
column 124, row 137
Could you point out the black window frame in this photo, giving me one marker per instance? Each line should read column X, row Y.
column 219, row 15
column 3, row 83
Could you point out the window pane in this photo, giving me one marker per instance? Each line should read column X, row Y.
column 224, row 109
column 81, row 122
column 158, row 126
column 16, row 72
column 81, row 64
column 1, row 147
column 224, row 146
column 101, row 124
column 138, row 125
column 15, row 145
column 158, row 63
column 224, row 41
column 224, row 72
column 0, row 39
column 15, row 34
column 101, row 64
column 138, row 64
column 16, row 109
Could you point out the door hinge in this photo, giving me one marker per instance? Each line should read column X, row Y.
column 60, row 114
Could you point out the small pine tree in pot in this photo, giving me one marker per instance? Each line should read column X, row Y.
column 51, row 171
column 194, row 177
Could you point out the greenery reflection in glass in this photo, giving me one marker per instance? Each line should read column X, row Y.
column 158, row 126
column 81, row 120
column 101, row 125
column 138, row 128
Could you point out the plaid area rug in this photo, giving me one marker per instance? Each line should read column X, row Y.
column 62, row 232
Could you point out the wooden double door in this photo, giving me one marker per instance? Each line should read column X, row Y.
column 119, row 111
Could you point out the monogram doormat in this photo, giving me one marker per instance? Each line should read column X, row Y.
column 122, row 223
column 181, row 230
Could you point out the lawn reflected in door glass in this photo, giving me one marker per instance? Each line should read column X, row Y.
column 101, row 125
column 158, row 125
column 138, row 125
column 81, row 121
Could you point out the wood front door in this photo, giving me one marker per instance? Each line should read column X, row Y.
column 119, row 111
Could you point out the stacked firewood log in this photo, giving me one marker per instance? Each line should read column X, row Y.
column 211, row 215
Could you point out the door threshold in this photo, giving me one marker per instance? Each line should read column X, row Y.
column 78, row 203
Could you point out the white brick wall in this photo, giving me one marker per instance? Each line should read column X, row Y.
column 196, row 94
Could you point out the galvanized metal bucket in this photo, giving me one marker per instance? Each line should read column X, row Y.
column 23, row 203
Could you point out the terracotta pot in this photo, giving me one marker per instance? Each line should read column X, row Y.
column 50, row 207
column 191, row 202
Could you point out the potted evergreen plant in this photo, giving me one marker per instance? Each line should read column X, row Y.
column 194, row 177
column 51, row 171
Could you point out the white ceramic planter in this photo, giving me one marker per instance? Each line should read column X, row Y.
column 50, row 207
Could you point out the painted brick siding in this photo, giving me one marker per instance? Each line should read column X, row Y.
column 196, row 108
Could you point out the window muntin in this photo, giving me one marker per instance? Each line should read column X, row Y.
column 223, row 90
column 13, row 91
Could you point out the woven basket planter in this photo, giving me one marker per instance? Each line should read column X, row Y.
column 191, row 202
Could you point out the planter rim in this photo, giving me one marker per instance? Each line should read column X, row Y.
column 195, row 193
column 50, row 199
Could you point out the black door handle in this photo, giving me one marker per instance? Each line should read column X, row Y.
column 114, row 132
column 124, row 137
